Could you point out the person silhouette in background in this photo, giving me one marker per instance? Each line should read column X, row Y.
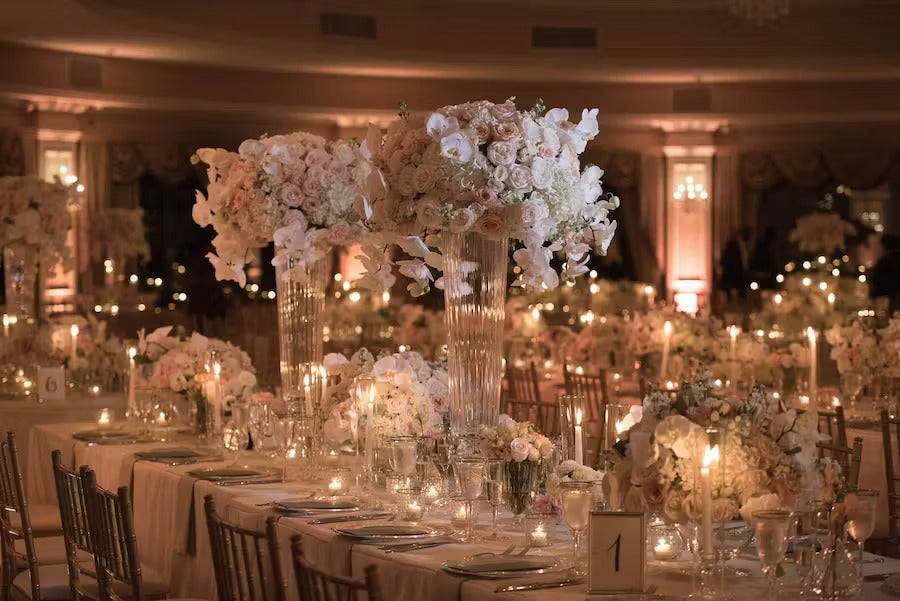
column 735, row 265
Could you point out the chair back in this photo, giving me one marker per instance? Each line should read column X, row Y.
column 111, row 524
column 522, row 384
column 590, row 386
column 243, row 567
column 74, row 518
column 314, row 584
column 13, row 502
column 890, row 432
column 544, row 416
column 832, row 423
column 849, row 458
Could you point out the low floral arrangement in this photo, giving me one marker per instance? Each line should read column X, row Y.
column 862, row 349
column 514, row 441
column 34, row 218
column 410, row 396
column 821, row 233
column 769, row 460
column 297, row 190
column 183, row 364
column 100, row 357
column 491, row 169
column 571, row 471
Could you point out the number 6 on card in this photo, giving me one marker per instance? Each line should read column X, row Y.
column 616, row 552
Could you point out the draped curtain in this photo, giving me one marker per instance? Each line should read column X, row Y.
column 12, row 153
column 130, row 161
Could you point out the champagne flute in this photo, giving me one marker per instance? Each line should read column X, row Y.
column 861, row 507
column 772, row 528
column 494, row 475
column 469, row 473
column 577, row 500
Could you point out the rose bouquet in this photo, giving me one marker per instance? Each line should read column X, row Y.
column 821, row 232
column 768, row 454
column 855, row 349
column 410, row 396
column 34, row 217
column 297, row 190
column 491, row 169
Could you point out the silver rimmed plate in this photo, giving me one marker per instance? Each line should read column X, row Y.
column 316, row 505
column 233, row 476
column 390, row 532
column 500, row 566
column 95, row 435
column 177, row 456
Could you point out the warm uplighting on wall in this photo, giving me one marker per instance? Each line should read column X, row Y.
column 687, row 295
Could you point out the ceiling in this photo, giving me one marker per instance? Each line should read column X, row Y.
column 636, row 40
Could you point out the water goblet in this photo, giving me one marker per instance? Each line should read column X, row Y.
column 772, row 528
column 403, row 455
column 494, row 481
column 469, row 473
column 235, row 439
column 861, row 507
column 577, row 501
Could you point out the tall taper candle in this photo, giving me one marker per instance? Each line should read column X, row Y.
column 579, row 432
column 667, row 339
column 813, row 365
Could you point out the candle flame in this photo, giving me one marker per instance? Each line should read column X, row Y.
column 132, row 352
column 811, row 334
column 217, row 369
column 733, row 330
column 667, row 328
column 711, row 456
column 74, row 330
column 578, row 417
column 778, row 299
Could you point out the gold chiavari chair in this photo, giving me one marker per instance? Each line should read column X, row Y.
column 314, row 584
column 116, row 560
column 888, row 423
column 244, row 567
column 849, row 458
column 522, row 383
column 833, row 424
column 544, row 416
column 44, row 517
column 76, row 532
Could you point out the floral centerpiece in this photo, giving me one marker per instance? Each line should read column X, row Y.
column 769, row 456
column 187, row 365
column 297, row 190
column 855, row 349
column 524, row 452
column 410, row 396
column 100, row 358
column 34, row 223
column 118, row 234
column 821, row 232
column 495, row 170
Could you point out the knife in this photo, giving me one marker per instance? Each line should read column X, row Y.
column 536, row 586
column 412, row 546
column 350, row 518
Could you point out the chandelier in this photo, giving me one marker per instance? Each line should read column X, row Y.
column 691, row 196
column 760, row 11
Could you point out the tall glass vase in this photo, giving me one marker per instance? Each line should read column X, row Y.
column 301, row 307
column 474, row 293
column 24, row 290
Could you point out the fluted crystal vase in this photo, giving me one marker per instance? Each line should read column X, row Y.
column 301, row 308
column 474, row 293
column 23, row 283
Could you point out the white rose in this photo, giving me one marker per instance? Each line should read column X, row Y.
column 291, row 195
column 457, row 147
column 533, row 453
column 519, row 449
column 461, row 220
column 502, row 153
column 424, row 178
column 533, row 212
column 520, row 177
column 345, row 154
column 429, row 214
column 489, row 226
column 541, row 173
column 753, row 504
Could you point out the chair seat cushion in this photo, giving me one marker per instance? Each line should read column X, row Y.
column 153, row 586
column 44, row 519
column 49, row 550
column 54, row 580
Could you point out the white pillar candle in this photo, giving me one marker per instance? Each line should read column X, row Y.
column 710, row 456
column 733, row 332
column 6, row 323
column 217, row 393
column 813, row 364
column 74, row 355
column 132, row 381
column 667, row 339
column 369, row 398
column 579, row 431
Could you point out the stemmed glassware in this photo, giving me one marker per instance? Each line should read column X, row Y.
column 404, row 450
column 577, row 500
column 494, row 480
column 861, row 507
column 772, row 528
column 470, row 474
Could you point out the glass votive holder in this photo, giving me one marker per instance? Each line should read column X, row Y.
column 404, row 450
column 338, row 480
column 665, row 542
column 331, row 458
column 459, row 515
column 105, row 419
column 432, row 492
column 410, row 505
column 540, row 528
column 397, row 482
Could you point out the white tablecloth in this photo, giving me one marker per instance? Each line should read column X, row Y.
column 165, row 498
column 872, row 474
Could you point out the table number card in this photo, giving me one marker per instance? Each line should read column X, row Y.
column 51, row 383
column 616, row 552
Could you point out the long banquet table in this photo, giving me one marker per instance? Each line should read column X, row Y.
column 170, row 523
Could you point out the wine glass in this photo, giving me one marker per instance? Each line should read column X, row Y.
column 861, row 507
column 494, row 480
column 577, row 500
column 851, row 383
column 235, row 439
column 443, row 457
column 772, row 528
column 469, row 473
